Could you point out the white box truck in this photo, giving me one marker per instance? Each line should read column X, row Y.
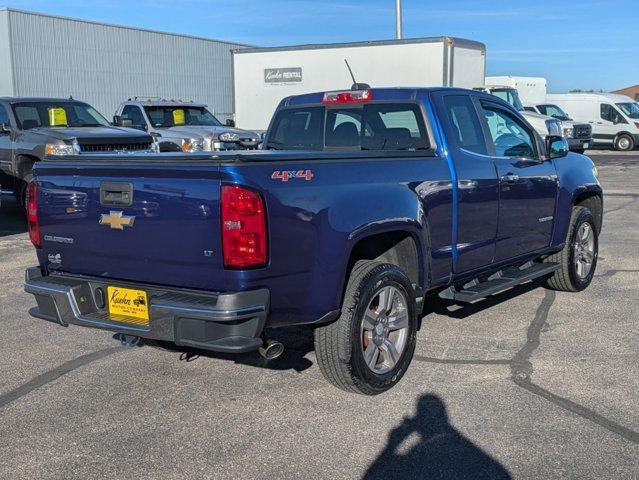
column 262, row 77
column 532, row 90
column 614, row 118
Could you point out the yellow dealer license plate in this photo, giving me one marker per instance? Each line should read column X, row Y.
column 131, row 305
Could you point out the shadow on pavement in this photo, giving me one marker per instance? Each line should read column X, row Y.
column 456, row 310
column 427, row 446
column 12, row 217
column 298, row 342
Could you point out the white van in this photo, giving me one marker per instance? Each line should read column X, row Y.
column 614, row 118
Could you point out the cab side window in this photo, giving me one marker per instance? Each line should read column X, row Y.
column 509, row 135
column 134, row 114
column 467, row 131
column 610, row 114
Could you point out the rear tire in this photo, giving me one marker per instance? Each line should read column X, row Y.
column 578, row 258
column 365, row 351
column 624, row 143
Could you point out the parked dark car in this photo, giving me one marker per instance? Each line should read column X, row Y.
column 31, row 128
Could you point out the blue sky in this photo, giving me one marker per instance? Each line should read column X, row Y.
column 585, row 44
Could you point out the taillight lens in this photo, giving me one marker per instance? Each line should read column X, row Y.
column 32, row 214
column 244, row 236
column 636, row 124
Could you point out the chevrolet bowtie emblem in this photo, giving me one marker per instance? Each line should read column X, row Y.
column 116, row 220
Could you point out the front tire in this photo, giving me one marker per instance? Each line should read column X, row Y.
column 578, row 258
column 624, row 143
column 368, row 349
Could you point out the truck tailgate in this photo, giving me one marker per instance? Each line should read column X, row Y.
column 167, row 232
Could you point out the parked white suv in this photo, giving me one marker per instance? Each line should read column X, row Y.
column 179, row 126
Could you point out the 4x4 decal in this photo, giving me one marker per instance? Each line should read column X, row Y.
column 286, row 175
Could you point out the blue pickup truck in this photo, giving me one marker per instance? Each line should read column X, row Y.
column 365, row 205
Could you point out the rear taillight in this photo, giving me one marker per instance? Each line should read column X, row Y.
column 636, row 124
column 244, row 241
column 32, row 214
column 350, row 96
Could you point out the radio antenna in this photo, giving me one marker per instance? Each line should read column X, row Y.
column 356, row 86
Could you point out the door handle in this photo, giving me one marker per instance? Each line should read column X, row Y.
column 116, row 194
column 510, row 178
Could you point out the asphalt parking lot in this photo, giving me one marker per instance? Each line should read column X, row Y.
column 529, row 384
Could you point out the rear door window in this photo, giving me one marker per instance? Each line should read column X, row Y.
column 467, row 130
column 376, row 126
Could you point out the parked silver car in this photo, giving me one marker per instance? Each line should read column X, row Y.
column 179, row 126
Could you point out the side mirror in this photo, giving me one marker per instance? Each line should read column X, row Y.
column 556, row 146
column 230, row 123
column 117, row 120
column 5, row 128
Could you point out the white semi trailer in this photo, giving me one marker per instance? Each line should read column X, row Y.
column 532, row 90
column 264, row 76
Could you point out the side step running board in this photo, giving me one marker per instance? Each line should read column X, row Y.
column 498, row 282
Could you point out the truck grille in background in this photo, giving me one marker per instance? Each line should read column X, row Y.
column 115, row 147
column 242, row 144
column 583, row 131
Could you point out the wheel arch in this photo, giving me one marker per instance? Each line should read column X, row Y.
column 593, row 201
column 398, row 246
column 24, row 163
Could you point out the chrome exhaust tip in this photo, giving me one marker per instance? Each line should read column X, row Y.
column 271, row 349
column 130, row 340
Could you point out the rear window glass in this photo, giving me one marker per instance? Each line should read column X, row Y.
column 376, row 126
column 298, row 129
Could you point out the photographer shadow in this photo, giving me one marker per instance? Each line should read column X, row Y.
column 438, row 450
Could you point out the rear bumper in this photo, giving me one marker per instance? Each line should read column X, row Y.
column 225, row 322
